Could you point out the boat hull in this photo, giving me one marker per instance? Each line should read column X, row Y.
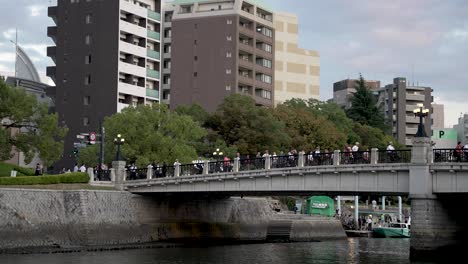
column 391, row 232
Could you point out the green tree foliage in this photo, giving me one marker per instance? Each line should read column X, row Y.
column 195, row 111
column 308, row 130
column 250, row 128
column 364, row 109
column 372, row 137
column 28, row 127
column 152, row 134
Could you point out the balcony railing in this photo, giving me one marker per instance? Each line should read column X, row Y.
column 154, row 35
column 152, row 73
column 153, row 54
column 154, row 15
column 152, row 93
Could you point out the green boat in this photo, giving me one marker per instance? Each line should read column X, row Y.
column 392, row 230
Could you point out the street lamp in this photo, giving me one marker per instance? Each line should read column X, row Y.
column 119, row 141
column 421, row 113
column 217, row 154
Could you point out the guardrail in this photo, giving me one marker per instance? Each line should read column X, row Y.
column 450, row 155
column 394, row 156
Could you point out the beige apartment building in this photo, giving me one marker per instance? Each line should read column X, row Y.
column 297, row 71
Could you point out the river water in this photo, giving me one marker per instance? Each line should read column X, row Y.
column 351, row 250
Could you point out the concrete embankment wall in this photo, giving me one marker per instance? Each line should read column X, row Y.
column 68, row 219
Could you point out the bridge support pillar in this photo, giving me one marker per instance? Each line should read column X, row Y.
column 268, row 162
column 119, row 168
column 356, row 210
column 436, row 221
column 338, row 205
column 383, row 202
column 149, row 172
column 236, row 164
column 336, row 157
column 374, row 156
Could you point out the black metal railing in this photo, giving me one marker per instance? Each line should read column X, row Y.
column 284, row 161
column 136, row 174
column 318, row 159
column 191, row 169
column 450, row 155
column 251, row 164
column 103, row 175
column 394, row 156
column 355, row 157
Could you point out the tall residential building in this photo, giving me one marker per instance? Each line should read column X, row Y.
column 438, row 116
column 107, row 57
column 462, row 128
column 297, row 71
column 399, row 100
column 343, row 91
column 218, row 48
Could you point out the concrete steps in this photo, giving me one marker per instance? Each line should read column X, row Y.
column 279, row 230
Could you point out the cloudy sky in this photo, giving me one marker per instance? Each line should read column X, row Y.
column 381, row 39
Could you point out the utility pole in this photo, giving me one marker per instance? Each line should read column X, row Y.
column 101, row 147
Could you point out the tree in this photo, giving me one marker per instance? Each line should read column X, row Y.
column 364, row 109
column 195, row 111
column 28, row 127
column 308, row 130
column 152, row 134
column 239, row 122
column 372, row 137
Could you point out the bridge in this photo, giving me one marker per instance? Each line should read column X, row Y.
column 436, row 181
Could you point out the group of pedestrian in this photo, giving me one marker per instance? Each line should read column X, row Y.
column 461, row 152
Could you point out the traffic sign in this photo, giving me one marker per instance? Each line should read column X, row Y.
column 80, row 136
column 92, row 137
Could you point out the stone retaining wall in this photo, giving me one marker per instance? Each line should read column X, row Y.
column 71, row 219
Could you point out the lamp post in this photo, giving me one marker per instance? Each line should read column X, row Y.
column 119, row 141
column 216, row 155
column 421, row 113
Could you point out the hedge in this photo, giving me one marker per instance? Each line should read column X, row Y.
column 6, row 168
column 74, row 177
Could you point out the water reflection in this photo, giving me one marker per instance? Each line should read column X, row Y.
column 352, row 250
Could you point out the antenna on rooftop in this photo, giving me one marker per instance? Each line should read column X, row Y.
column 412, row 73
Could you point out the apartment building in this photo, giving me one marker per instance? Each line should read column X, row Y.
column 297, row 70
column 215, row 48
column 399, row 100
column 438, row 116
column 343, row 91
column 462, row 128
column 107, row 57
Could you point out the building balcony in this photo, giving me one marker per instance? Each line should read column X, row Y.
column 154, row 15
column 412, row 120
column 263, row 38
column 52, row 13
column 166, row 70
column 167, row 25
column 127, row 88
column 246, row 47
column 263, row 85
column 262, row 69
column 415, row 97
column 167, row 55
column 411, row 131
column 133, row 8
column 154, row 35
column 130, row 48
column 263, row 101
column 132, row 69
column 52, row 33
column 166, row 86
column 246, row 64
column 152, row 93
column 153, row 54
column 265, row 54
column 248, row 31
column 245, row 80
column 52, row 52
column 51, row 72
column 133, row 29
column 152, row 74
column 121, row 106
column 410, row 108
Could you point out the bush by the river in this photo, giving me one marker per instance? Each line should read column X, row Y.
column 74, row 177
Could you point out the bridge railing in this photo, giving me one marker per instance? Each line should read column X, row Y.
column 450, row 155
column 394, row 156
column 275, row 162
column 103, row 175
column 355, row 157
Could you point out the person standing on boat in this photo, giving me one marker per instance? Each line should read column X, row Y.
column 369, row 223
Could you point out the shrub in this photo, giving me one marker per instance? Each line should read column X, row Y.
column 75, row 177
column 6, row 168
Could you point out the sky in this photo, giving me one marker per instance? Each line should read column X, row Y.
column 425, row 41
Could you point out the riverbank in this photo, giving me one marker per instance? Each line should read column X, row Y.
column 100, row 219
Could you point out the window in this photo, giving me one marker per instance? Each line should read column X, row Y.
column 228, row 71
column 265, row 31
column 264, row 62
column 195, row 42
column 195, row 58
column 228, row 54
column 229, row 21
column 88, row 39
column 88, row 59
column 64, row 81
column 88, row 19
column 264, row 78
column 267, row 48
column 266, row 94
column 228, row 87
column 195, row 74
column 85, row 121
column 229, row 38
column 87, row 80
column 86, row 100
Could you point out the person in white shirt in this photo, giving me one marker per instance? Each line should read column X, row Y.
column 390, row 147
column 355, row 148
column 75, row 169
column 83, row 168
column 465, row 150
column 391, row 151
